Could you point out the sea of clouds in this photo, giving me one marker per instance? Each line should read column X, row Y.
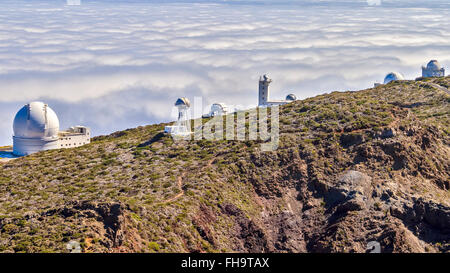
column 113, row 65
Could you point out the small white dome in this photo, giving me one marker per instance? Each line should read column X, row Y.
column 433, row 65
column 291, row 97
column 218, row 108
column 393, row 76
column 36, row 120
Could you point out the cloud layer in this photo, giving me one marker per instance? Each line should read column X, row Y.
column 112, row 65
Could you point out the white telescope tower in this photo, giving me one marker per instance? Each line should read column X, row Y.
column 182, row 126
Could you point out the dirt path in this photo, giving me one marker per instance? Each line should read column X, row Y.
column 180, row 187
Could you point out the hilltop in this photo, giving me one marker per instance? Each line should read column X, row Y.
column 351, row 167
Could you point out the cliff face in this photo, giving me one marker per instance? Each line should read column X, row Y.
column 351, row 168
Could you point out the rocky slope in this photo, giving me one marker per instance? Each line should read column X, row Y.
column 352, row 167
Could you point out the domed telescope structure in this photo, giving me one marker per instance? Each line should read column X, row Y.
column 433, row 69
column 264, row 94
column 217, row 109
column 291, row 97
column 182, row 126
column 183, row 104
column 36, row 128
column 393, row 76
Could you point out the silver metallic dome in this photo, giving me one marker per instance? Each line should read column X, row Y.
column 36, row 120
column 393, row 76
column 183, row 102
column 291, row 97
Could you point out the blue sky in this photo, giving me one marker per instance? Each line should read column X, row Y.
column 114, row 65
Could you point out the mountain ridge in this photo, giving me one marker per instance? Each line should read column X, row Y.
column 351, row 168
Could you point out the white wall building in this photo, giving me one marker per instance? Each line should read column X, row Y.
column 264, row 94
column 433, row 69
column 74, row 137
column 36, row 128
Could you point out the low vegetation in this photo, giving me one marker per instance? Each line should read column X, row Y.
column 139, row 190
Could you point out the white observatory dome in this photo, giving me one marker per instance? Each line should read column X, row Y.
column 433, row 65
column 291, row 97
column 218, row 109
column 36, row 120
column 393, row 76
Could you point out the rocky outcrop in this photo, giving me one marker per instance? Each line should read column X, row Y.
column 352, row 187
column 110, row 222
column 252, row 236
column 419, row 210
